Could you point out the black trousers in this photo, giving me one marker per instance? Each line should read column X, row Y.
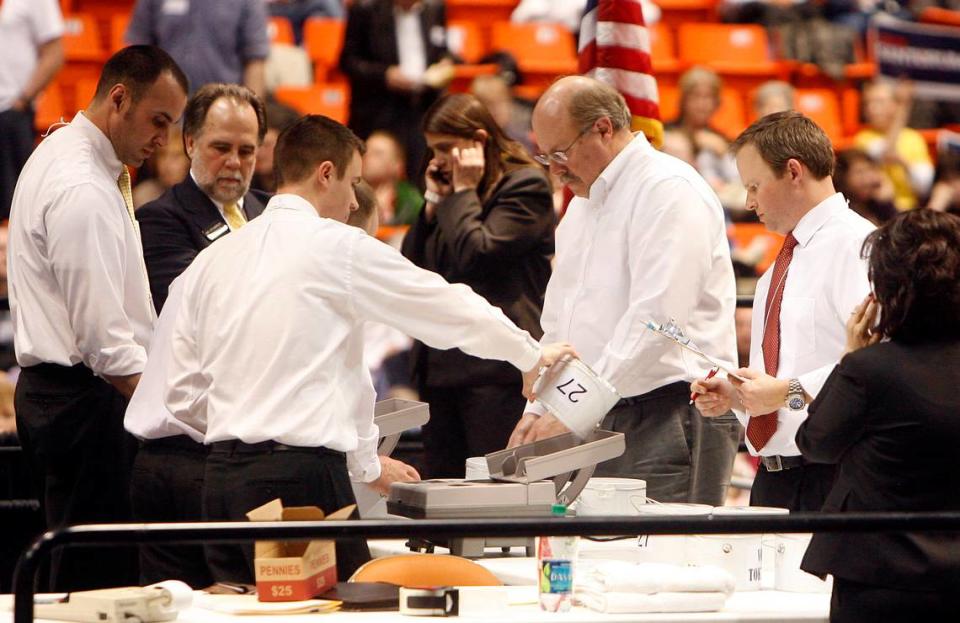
column 683, row 456
column 167, row 486
column 853, row 602
column 70, row 423
column 802, row 488
column 467, row 421
column 239, row 480
column 16, row 128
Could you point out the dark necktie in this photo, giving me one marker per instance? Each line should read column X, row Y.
column 762, row 427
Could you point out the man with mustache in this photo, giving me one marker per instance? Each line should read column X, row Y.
column 223, row 126
column 644, row 239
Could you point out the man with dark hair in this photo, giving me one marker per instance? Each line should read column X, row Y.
column 801, row 306
column 82, row 313
column 223, row 127
column 295, row 427
column 223, row 124
column 644, row 240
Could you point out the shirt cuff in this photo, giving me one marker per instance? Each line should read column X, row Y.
column 530, row 358
column 536, row 408
column 117, row 361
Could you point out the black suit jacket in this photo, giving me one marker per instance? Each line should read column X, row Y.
column 177, row 226
column 369, row 49
column 501, row 248
column 889, row 414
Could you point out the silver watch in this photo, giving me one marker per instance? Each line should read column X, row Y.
column 795, row 400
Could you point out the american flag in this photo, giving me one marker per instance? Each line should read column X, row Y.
column 615, row 48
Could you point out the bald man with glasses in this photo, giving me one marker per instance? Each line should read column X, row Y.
column 644, row 239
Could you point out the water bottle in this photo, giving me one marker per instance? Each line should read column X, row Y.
column 555, row 562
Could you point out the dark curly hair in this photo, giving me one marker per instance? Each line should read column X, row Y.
column 914, row 266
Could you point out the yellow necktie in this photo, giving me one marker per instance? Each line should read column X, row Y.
column 124, row 183
column 235, row 218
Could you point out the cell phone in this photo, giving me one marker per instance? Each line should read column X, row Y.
column 440, row 177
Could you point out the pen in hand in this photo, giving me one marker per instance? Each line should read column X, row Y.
column 710, row 375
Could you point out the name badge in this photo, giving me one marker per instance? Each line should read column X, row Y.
column 176, row 7
column 215, row 230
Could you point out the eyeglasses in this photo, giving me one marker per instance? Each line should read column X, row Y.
column 560, row 156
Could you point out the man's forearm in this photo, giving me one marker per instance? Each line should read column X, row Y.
column 254, row 77
column 49, row 62
column 124, row 384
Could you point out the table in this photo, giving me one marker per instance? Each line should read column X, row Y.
column 754, row 607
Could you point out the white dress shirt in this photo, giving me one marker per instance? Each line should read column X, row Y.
column 147, row 416
column 826, row 279
column 78, row 285
column 268, row 340
column 25, row 25
column 648, row 244
column 411, row 50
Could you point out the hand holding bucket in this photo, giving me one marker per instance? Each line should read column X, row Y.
column 575, row 395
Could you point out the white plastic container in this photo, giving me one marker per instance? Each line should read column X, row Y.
column 674, row 549
column 556, row 561
column 789, row 576
column 612, row 496
column 750, row 559
column 573, row 393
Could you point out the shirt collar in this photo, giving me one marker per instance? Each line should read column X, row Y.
column 289, row 201
column 817, row 217
column 101, row 144
column 608, row 177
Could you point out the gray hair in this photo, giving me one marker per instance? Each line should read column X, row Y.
column 596, row 101
column 772, row 89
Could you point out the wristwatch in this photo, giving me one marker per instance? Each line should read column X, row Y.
column 795, row 400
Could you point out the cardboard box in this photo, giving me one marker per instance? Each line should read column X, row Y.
column 295, row 570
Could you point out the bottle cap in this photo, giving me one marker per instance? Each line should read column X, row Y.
column 558, row 510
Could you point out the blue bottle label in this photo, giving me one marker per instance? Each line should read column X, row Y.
column 556, row 576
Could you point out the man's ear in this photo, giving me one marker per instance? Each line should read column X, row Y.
column 325, row 172
column 189, row 145
column 795, row 170
column 117, row 95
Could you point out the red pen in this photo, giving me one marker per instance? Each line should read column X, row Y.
column 710, row 375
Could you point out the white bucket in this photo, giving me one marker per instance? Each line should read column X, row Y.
column 612, row 496
column 789, row 576
column 573, row 393
column 675, row 549
column 767, row 543
column 477, row 469
column 737, row 554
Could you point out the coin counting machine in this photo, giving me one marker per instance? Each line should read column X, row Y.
column 525, row 481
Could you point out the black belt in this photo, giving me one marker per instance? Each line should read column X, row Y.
column 235, row 446
column 175, row 442
column 779, row 463
column 679, row 388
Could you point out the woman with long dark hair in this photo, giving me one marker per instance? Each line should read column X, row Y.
column 889, row 416
column 488, row 223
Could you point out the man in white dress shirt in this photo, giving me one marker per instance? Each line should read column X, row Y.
column 643, row 240
column 80, row 301
column 801, row 306
column 266, row 356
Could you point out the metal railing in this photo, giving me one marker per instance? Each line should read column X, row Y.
column 235, row 532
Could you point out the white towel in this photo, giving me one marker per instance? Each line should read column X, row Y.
column 649, row 578
column 613, row 603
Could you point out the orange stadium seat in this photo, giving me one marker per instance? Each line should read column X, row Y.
column 739, row 52
column 465, row 40
column 938, row 15
column 480, row 11
column 118, row 28
column 323, row 40
column 49, row 108
column 676, row 12
column 279, row 30
column 81, row 39
column 332, row 100
column 663, row 53
column 742, row 234
column 543, row 52
column 822, row 106
column 730, row 118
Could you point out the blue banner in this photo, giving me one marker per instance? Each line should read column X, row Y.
column 928, row 55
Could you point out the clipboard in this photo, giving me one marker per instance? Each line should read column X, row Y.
column 673, row 333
